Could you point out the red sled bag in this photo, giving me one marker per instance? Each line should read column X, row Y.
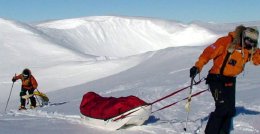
column 96, row 106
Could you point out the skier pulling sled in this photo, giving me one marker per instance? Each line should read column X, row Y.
column 113, row 113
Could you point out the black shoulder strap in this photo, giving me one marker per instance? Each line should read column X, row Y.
column 224, row 63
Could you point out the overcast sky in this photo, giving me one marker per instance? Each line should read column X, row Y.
column 223, row 11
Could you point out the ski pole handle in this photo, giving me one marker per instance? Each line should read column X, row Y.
column 13, row 79
column 187, row 106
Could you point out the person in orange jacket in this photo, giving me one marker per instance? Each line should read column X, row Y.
column 229, row 54
column 29, row 84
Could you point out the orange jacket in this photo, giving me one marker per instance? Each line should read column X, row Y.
column 234, row 63
column 29, row 83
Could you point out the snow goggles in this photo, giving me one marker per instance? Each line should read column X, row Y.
column 25, row 75
column 250, row 37
column 249, row 43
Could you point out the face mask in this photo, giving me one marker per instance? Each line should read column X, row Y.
column 250, row 43
column 250, row 38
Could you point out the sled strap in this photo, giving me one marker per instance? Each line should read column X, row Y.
column 195, row 83
column 195, row 94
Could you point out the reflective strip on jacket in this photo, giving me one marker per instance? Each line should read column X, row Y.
column 218, row 52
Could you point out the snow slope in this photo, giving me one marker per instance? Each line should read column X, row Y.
column 124, row 36
column 23, row 46
column 72, row 44
column 73, row 71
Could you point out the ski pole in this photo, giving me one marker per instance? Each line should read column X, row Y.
column 42, row 104
column 38, row 90
column 195, row 94
column 9, row 96
column 187, row 105
column 38, row 99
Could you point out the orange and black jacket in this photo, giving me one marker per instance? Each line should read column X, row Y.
column 29, row 83
column 227, row 63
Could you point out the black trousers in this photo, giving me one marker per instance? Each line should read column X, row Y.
column 32, row 99
column 223, row 91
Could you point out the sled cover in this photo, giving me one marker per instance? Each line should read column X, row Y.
column 95, row 106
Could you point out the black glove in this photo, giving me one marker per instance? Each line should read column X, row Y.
column 194, row 71
column 13, row 79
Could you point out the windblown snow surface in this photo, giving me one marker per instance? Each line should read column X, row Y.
column 115, row 56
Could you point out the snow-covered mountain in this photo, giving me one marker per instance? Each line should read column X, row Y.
column 115, row 56
column 60, row 45
column 124, row 36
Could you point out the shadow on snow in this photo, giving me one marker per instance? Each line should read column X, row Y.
column 242, row 110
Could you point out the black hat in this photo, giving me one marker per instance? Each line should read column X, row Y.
column 26, row 73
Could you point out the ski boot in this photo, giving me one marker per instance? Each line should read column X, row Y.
column 22, row 108
column 32, row 107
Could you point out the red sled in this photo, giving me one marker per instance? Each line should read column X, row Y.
column 113, row 113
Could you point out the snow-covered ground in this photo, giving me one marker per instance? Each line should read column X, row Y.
column 115, row 56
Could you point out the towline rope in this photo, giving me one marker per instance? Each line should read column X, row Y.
column 167, row 96
column 174, row 93
column 193, row 95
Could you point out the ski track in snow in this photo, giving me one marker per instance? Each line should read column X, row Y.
column 45, row 114
column 151, row 128
column 180, row 70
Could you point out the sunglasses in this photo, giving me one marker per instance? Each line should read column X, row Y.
column 25, row 75
column 249, row 43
